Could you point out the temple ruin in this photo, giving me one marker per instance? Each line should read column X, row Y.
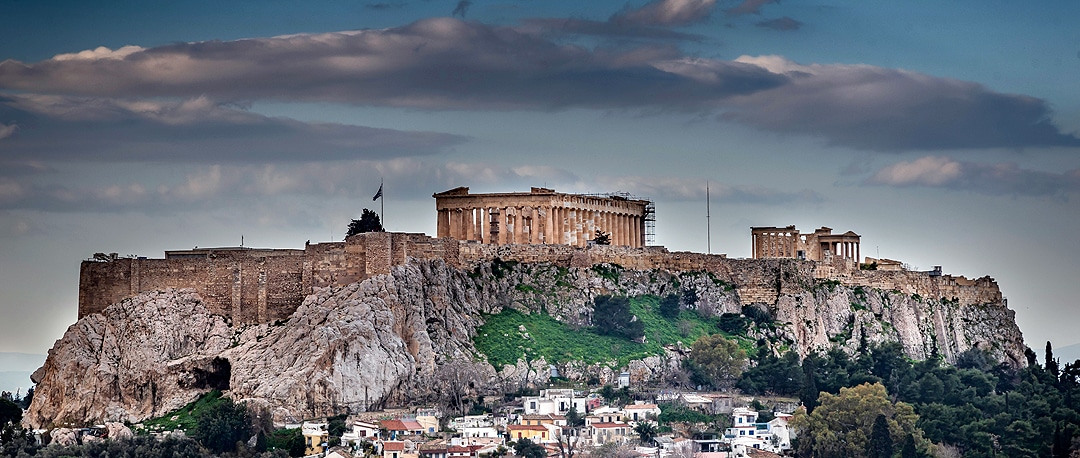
column 787, row 242
column 542, row 216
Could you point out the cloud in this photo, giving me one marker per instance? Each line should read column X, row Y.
column 234, row 185
column 7, row 130
column 783, row 24
column 874, row 108
column 993, row 179
column 650, row 22
column 382, row 6
column 440, row 63
column 606, row 29
column 667, row 13
column 59, row 128
column 679, row 188
column 449, row 64
column 749, row 7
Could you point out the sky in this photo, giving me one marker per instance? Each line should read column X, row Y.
column 944, row 133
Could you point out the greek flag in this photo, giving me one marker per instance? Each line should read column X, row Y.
column 378, row 194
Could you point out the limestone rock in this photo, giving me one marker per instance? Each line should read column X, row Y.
column 379, row 342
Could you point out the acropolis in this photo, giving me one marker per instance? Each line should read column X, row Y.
column 253, row 285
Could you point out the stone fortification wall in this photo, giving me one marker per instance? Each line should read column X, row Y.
column 253, row 285
column 259, row 286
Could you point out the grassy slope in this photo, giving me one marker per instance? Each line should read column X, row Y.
column 184, row 418
column 503, row 343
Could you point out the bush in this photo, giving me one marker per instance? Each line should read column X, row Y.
column 288, row 440
column 222, row 425
column 611, row 316
column 669, row 306
column 733, row 323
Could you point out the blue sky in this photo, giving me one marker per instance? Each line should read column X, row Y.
column 945, row 133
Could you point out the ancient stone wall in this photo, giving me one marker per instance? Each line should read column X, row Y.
column 258, row 286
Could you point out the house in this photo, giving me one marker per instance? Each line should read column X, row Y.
column 459, row 451
column 604, row 415
column 747, row 434
column 393, row 449
column 603, row 433
column 480, row 436
column 640, row 411
column 698, row 402
column 361, row 431
column 535, row 433
column 404, row 427
column 434, row 450
column 554, row 401
column 544, row 419
column 316, row 436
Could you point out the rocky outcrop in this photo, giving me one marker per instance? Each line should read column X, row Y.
column 381, row 342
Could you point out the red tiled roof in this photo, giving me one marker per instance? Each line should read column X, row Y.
column 526, row 428
column 393, row 425
column 393, row 446
column 458, row 449
column 412, row 425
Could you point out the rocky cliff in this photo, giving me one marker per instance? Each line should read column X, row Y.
column 381, row 341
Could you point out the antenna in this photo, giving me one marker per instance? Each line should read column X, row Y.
column 708, row 220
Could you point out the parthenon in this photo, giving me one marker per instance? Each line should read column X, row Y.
column 786, row 242
column 540, row 216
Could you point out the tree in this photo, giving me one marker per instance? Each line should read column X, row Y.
column 573, row 418
column 646, row 431
column 222, row 425
column 529, row 449
column 843, row 425
column 602, row 238
column 288, row 440
column 368, row 222
column 10, row 412
column 881, row 443
column 567, row 443
column 670, row 306
column 717, row 360
column 455, row 381
column 611, row 316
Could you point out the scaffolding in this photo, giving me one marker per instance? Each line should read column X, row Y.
column 650, row 211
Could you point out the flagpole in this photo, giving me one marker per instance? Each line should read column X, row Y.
column 382, row 207
column 708, row 221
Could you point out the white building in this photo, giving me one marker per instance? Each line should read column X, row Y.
column 554, row 401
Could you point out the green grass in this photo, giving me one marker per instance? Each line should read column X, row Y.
column 184, row 418
column 501, row 341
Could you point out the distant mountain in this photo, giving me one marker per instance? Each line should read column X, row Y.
column 1065, row 355
column 15, row 370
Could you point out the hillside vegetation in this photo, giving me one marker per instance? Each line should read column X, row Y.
column 502, row 340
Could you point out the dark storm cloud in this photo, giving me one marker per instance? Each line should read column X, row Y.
column 446, row 63
column 440, row 63
column 874, row 108
column 993, row 179
column 61, row 128
column 783, row 24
